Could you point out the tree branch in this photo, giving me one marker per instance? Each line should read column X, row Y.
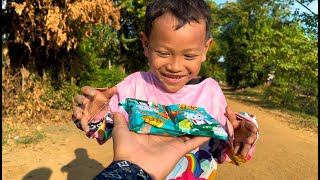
column 306, row 7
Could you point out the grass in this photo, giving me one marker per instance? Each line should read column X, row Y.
column 20, row 134
column 255, row 96
column 7, row 130
column 35, row 137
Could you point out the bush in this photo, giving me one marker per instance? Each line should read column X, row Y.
column 102, row 78
column 215, row 71
column 31, row 99
column 61, row 98
column 283, row 96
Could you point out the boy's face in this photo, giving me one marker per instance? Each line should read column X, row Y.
column 175, row 56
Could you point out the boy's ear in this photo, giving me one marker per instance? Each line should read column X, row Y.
column 206, row 48
column 145, row 43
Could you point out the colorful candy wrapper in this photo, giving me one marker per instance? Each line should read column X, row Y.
column 173, row 120
column 101, row 130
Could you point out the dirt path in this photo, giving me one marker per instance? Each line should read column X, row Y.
column 281, row 153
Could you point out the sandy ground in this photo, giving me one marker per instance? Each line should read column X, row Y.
column 282, row 152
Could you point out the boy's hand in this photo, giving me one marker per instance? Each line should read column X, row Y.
column 88, row 105
column 245, row 133
column 147, row 150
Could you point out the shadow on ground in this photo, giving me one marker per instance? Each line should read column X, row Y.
column 42, row 173
column 82, row 167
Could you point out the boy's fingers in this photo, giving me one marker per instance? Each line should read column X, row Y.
column 88, row 91
column 79, row 99
column 245, row 150
column 108, row 92
column 101, row 89
column 232, row 117
column 251, row 139
column 84, row 124
column 237, row 147
column 251, row 126
column 77, row 112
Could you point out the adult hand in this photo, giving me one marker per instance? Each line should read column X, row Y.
column 245, row 133
column 156, row 154
column 88, row 105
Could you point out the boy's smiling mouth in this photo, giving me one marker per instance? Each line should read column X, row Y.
column 173, row 76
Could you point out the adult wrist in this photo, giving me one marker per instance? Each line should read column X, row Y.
column 123, row 169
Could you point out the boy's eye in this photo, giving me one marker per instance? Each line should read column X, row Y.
column 162, row 54
column 190, row 57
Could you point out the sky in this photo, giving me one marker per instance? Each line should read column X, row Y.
column 313, row 6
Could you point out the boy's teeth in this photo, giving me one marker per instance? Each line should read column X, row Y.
column 173, row 77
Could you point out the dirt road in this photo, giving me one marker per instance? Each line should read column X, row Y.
column 282, row 152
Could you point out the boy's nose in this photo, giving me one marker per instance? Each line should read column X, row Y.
column 175, row 65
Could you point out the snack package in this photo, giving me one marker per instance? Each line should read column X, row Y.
column 101, row 129
column 173, row 120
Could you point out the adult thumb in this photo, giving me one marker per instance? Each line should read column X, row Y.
column 119, row 121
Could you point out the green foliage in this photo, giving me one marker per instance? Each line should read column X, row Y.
column 60, row 98
column 215, row 71
column 254, row 37
column 6, row 131
column 246, row 35
column 260, row 37
column 296, row 79
column 97, row 50
column 107, row 47
column 283, row 96
column 35, row 137
column 308, row 19
column 47, row 33
column 211, row 67
column 98, row 53
column 258, row 97
column 132, row 57
column 103, row 78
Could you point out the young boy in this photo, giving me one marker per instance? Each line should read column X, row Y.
column 175, row 41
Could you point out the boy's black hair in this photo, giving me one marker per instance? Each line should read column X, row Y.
column 185, row 11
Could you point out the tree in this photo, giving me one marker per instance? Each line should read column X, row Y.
column 47, row 32
column 132, row 22
column 261, row 37
column 211, row 67
column 308, row 18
